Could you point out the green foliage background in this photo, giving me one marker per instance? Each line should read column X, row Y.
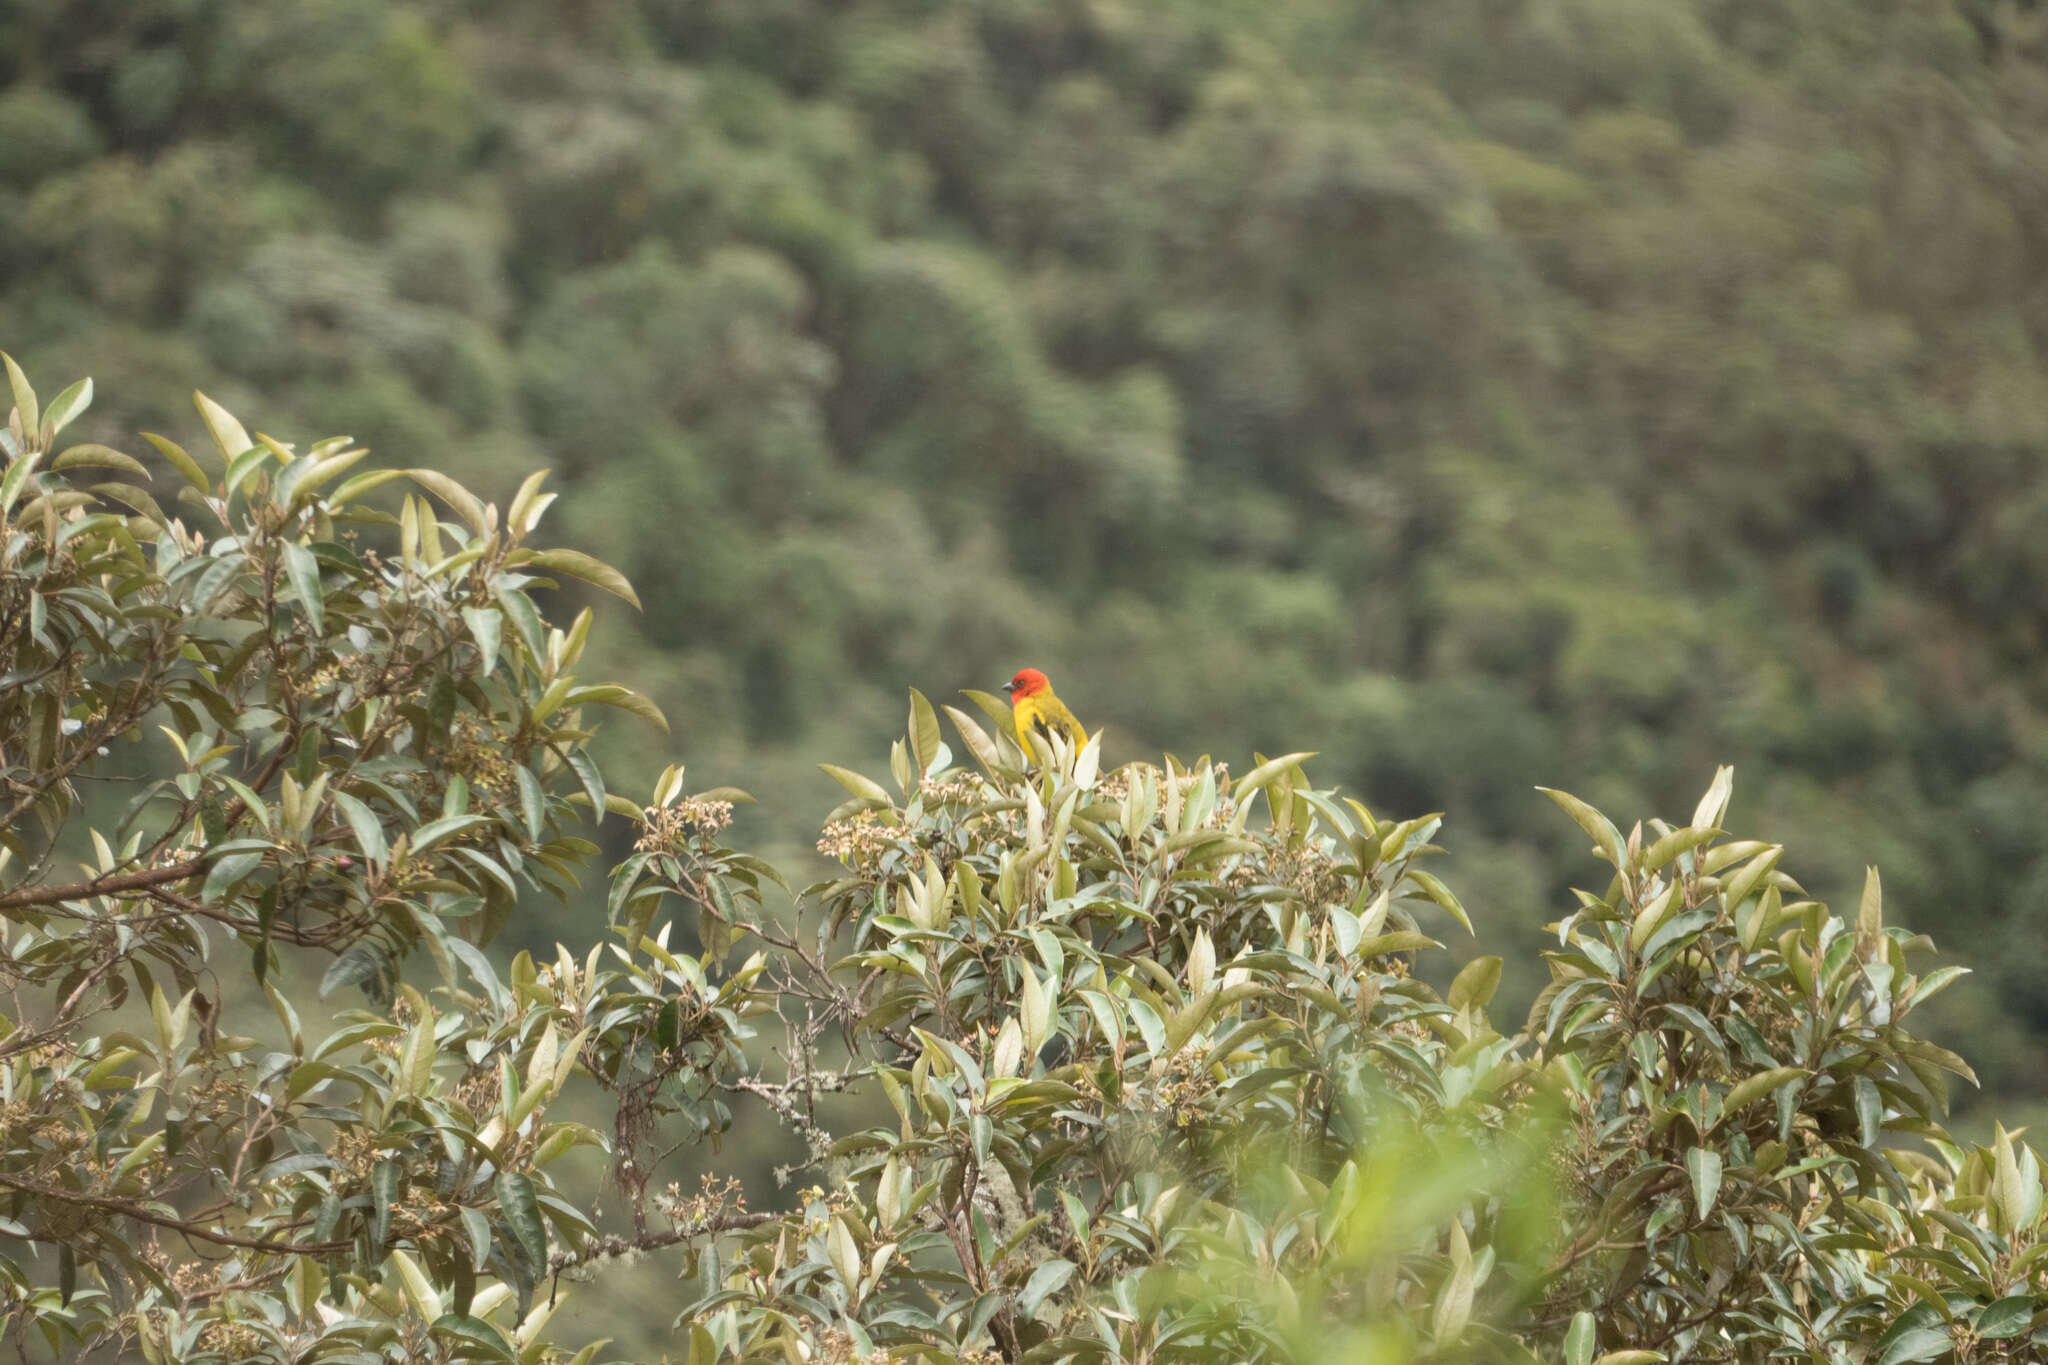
column 1482, row 392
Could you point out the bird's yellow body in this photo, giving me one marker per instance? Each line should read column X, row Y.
column 1036, row 710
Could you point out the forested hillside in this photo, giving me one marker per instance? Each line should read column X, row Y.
column 1479, row 392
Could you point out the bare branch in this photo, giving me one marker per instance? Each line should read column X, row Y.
column 610, row 1248
column 108, row 885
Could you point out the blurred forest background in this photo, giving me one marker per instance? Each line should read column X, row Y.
column 1480, row 392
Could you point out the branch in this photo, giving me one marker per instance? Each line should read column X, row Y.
column 89, row 743
column 608, row 1248
column 779, row 1097
column 1592, row 1241
column 108, row 885
column 124, row 1209
column 288, row 933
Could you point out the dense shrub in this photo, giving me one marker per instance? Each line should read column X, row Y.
column 1129, row 1065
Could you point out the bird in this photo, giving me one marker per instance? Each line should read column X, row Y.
column 1037, row 710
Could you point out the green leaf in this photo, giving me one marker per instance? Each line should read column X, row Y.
column 454, row 494
column 923, row 731
column 478, row 1338
column 527, row 504
column 16, row 478
column 1704, row 1165
column 842, row 1252
column 1149, row 1024
column 1678, row 841
column 478, row 1229
column 1701, row 1028
column 522, row 1216
column 975, row 738
column 1870, row 912
column 1454, row 1300
column 1047, row 1279
column 304, row 572
column 1266, row 772
column 352, row 489
column 588, row 773
column 1400, row 941
column 487, row 628
column 64, row 409
column 1475, row 983
column 470, row 956
column 180, row 461
column 579, row 565
column 387, row 1179
column 1869, row 1112
column 1920, row 1050
column 623, row 698
column 525, row 619
column 1441, row 894
column 1921, row 1342
column 1653, row 916
column 1579, row 1341
column 137, row 499
column 227, row 872
column 1757, row 1086
column 89, row 455
column 1606, row 838
column 2015, row 1182
column 434, row 831
column 865, row 787
column 362, row 963
column 363, row 823
column 1932, row 983
column 24, row 396
column 995, row 708
column 1737, row 889
column 240, row 469
column 532, row 801
column 303, row 479
column 307, row 761
column 2007, row 1318
column 1714, row 805
column 227, row 433
column 114, row 1121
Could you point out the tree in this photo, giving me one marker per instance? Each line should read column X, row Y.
column 1149, row 1072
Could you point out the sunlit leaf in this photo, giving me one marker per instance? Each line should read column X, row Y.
column 228, row 436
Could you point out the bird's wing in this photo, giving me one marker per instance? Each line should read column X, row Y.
column 1057, row 716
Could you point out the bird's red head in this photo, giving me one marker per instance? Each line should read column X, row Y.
column 1029, row 682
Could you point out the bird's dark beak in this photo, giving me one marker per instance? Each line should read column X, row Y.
column 1009, row 686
